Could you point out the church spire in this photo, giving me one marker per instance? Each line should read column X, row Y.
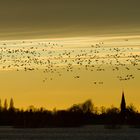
column 123, row 103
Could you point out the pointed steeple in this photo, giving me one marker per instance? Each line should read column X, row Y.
column 123, row 103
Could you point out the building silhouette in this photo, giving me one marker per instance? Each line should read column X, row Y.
column 123, row 103
column 123, row 112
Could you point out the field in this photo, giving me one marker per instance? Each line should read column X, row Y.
column 83, row 133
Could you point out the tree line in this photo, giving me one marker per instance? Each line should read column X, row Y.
column 76, row 115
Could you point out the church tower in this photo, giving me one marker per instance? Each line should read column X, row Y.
column 123, row 104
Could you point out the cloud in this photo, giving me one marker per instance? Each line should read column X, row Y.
column 75, row 17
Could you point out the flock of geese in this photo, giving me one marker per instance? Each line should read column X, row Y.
column 52, row 58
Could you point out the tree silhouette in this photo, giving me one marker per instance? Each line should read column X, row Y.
column 5, row 105
column 0, row 105
column 87, row 106
column 77, row 115
column 11, row 105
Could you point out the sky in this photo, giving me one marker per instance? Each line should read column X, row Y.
column 74, row 24
column 53, row 18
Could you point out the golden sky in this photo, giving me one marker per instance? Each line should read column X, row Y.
column 60, row 88
column 75, row 24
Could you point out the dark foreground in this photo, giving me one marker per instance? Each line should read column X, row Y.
column 96, row 132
